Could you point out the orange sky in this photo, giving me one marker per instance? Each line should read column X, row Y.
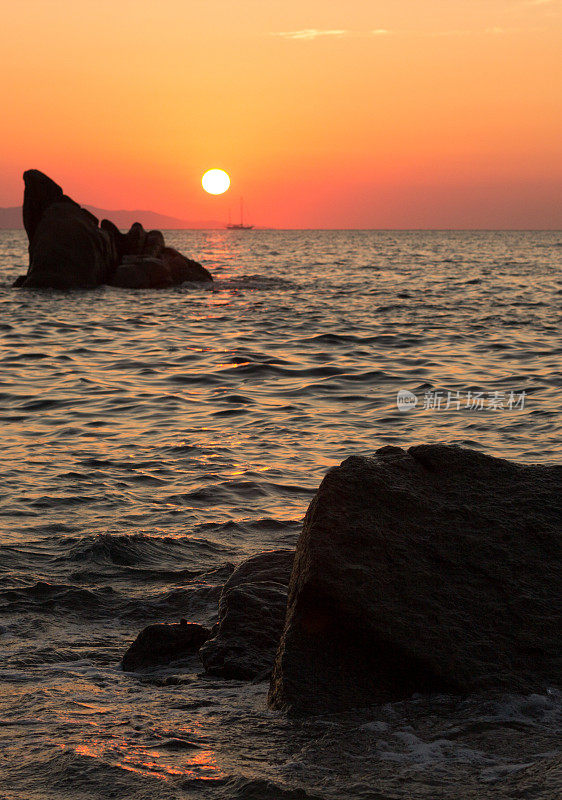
column 326, row 113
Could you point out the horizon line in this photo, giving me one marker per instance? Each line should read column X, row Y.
column 337, row 229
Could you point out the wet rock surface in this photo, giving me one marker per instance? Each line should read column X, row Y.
column 252, row 611
column 432, row 569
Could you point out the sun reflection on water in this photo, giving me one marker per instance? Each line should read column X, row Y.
column 127, row 755
column 153, row 440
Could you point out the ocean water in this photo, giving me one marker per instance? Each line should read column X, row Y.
column 151, row 440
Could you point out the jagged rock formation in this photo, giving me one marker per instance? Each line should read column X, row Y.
column 432, row 569
column 67, row 249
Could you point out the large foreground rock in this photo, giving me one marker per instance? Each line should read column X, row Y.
column 252, row 611
column 163, row 643
column 67, row 249
column 435, row 569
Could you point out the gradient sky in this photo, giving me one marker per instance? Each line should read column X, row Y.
column 326, row 113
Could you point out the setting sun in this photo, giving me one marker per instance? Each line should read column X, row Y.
column 215, row 181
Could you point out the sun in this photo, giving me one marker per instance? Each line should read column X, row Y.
column 215, row 181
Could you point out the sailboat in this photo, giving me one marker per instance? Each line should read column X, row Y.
column 239, row 226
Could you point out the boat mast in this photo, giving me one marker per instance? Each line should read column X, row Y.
column 241, row 211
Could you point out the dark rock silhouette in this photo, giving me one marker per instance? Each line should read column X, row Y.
column 157, row 272
column 160, row 644
column 142, row 273
column 119, row 239
column 182, row 268
column 135, row 239
column 432, row 569
column 252, row 611
column 67, row 249
column 154, row 244
column 40, row 193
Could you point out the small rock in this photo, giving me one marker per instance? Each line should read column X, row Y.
column 162, row 643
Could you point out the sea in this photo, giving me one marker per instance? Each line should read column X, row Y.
column 152, row 440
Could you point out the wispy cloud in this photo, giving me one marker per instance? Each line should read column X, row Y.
column 310, row 33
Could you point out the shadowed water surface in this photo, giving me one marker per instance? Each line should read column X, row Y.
column 153, row 439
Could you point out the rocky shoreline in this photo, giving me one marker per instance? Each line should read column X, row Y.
column 435, row 569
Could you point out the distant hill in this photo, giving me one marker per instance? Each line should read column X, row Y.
column 11, row 218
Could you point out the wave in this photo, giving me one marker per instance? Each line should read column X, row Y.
column 199, row 596
column 137, row 549
column 43, row 597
